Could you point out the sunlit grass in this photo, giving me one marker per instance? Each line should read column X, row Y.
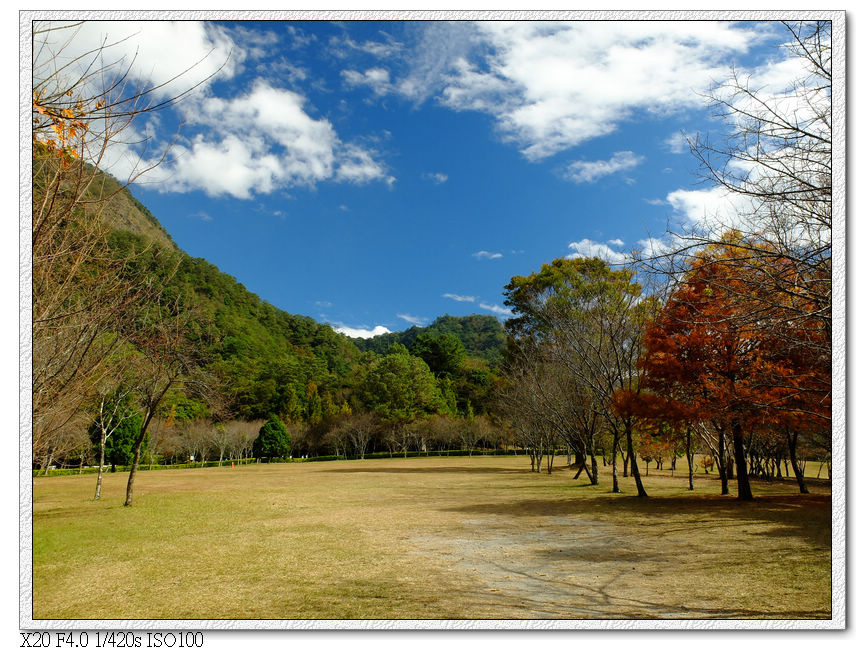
column 461, row 537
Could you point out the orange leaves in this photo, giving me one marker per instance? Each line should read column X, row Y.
column 60, row 127
column 719, row 348
column 650, row 407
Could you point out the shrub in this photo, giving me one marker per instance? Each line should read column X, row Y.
column 273, row 440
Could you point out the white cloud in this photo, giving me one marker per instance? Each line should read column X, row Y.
column 258, row 141
column 378, row 79
column 360, row 332
column 414, row 320
column 584, row 171
column 459, row 298
column 547, row 84
column 589, row 248
column 648, row 247
column 358, row 166
column 168, row 56
column 496, row 309
column 436, row 177
column 342, row 45
column 678, row 142
column 431, row 61
column 712, row 210
column 652, row 246
column 298, row 38
column 486, row 255
column 655, row 201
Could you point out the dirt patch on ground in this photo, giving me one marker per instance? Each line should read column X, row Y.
column 557, row 568
column 580, row 567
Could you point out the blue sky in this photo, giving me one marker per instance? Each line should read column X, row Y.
column 376, row 175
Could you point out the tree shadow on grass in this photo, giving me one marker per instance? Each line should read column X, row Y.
column 393, row 469
column 804, row 516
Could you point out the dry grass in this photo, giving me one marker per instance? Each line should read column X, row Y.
column 424, row 538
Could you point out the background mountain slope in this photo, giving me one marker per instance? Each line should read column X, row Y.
column 268, row 360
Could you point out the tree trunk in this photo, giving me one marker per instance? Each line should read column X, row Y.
column 635, row 470
column 722, row 463
column 137, row 455
column 690, row 460
column 791, row 447
column 742, row 480
column 132, row 471
column 99, row 471
column 624, row 462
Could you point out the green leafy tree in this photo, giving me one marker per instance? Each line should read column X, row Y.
column 586, row 320
column 314, row 404
column 273, row 440
column 292, row 407
column 400, row 386
column 443, row 353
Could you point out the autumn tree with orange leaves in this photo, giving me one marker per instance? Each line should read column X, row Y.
column 717, row 354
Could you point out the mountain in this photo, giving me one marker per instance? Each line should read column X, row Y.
column 267, row 359
column 271, row 361
column 482, row 336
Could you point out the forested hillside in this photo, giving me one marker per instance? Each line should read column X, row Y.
column 265, row 356
column 240, row 359
column 482, row 336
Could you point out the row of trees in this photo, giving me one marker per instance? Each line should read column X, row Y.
column 732, row 349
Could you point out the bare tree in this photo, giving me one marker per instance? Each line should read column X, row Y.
column 241, row 436
column 170, row 353
column 360, row 428
column 776, row 164
column 198, row 435
column 587, row 318
column 161, row 439
column 82, row 293
column 112, row 411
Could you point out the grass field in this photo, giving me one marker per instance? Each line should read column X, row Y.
column 424, row 538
